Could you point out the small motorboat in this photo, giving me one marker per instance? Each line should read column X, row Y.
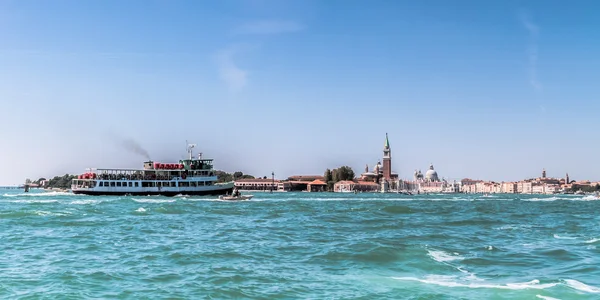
column 236, row 198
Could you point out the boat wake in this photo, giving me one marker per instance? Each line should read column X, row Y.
column 154, row 200
column 43, row 194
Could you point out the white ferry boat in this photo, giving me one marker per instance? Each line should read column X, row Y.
column 187, row 177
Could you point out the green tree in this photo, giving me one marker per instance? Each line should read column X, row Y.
column 345, row 173
column 328, row 176
column 62, row 182
column 223, row 176
column 335, row 175
column 329, row 179
column 339, row 174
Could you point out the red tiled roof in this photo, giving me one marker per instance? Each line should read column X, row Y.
column 317, row 182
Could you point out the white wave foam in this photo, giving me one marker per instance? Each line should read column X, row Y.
column 35, row 201
column 514, row 227
column 443, row 281
column 84, row 202
column 441, row 256
column 154, row 200
column 202, row 199
column 545, row 199
column 141, row 209
column 581, row 286
column 592, row 241
column 49, row 213
column 44, row 194
column 556, row 236
column 546, row 297
column 565, row 198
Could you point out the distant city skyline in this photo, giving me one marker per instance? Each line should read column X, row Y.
column 484, row 90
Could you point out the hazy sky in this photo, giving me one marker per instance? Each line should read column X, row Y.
column 483, row 89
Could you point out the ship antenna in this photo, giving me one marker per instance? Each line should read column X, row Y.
column 189, row 149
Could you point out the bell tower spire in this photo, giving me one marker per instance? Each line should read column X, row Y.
column 387, row 159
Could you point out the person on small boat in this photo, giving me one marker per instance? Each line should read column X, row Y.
column 236, row 193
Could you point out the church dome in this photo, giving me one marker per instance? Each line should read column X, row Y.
column 377, row 167
column 431, row 174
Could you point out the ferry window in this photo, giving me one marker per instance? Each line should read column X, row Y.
column 101, row 183
column 145, row 184
column 201, row 183
column 112, row 183
column 208, row 183
column 172, row 184
column 136, row 184
column 193, row 184
column 118, row 183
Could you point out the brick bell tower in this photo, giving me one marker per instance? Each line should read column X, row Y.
column 387, row 159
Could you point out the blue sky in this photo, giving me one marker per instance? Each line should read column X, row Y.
column 481, row 89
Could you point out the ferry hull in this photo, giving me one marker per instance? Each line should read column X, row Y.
column 214, row 192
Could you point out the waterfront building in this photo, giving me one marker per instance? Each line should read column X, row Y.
column 257, row 184
column 284, row 186
column 408, row 186
column 538, row 188
column 317, row 185
column 525, row 187
column 469, row 186
column 553, row 189
column 301, row 182
column 509, row 187
column 539, row 185
column 347, row 186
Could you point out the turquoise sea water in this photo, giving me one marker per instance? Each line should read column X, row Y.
column 299, row 246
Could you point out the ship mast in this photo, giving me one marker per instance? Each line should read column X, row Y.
column 189, row 149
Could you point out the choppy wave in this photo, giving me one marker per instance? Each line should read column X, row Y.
column 560, row 237
column 441, row 256
column 580, row 286
column 447, row 281
column 142, row 200
column 39, row 194
column 546, row 297
column 562, row 198
column 450, row 281
column 35, row 201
